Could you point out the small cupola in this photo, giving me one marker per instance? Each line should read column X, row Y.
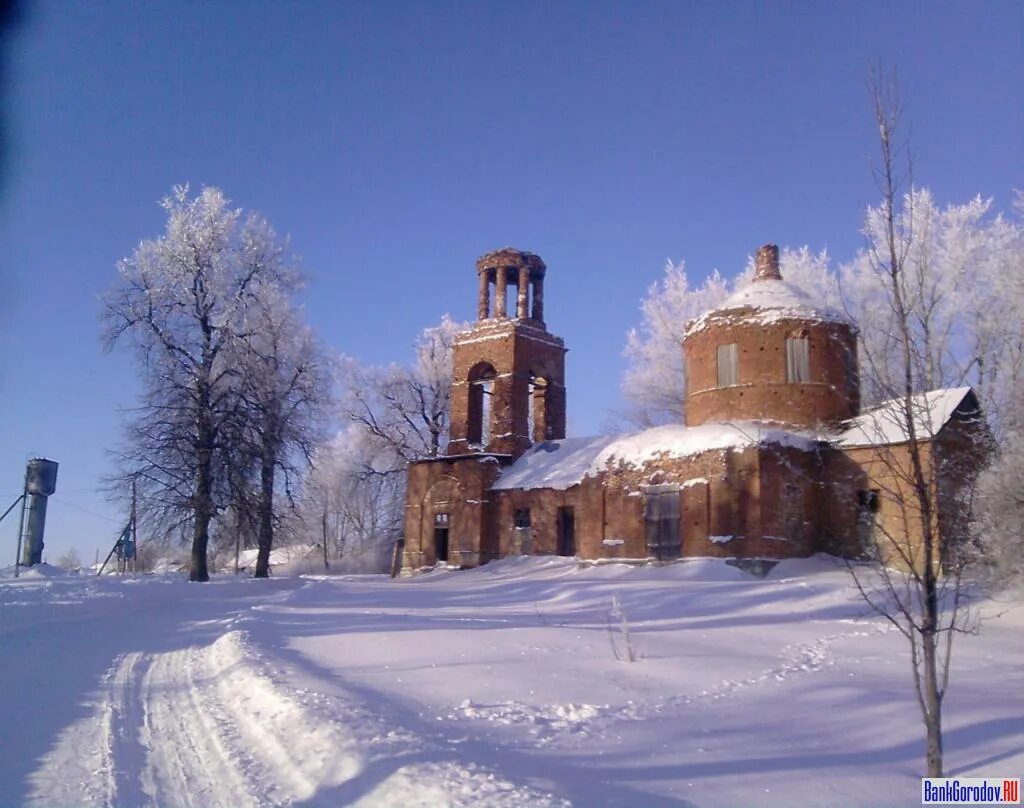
column 767, row 265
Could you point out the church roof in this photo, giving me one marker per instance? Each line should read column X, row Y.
column 557, row 464
column 676, row 440
column 561, row 464
column 765, row 301
column 886, row 424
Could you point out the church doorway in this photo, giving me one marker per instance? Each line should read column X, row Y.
column 566, row 532
column 440, row 537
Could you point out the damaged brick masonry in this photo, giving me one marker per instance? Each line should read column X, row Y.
column 776, row 458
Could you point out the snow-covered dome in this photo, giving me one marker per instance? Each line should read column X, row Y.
column 768, row 299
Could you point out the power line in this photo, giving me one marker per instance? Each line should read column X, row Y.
column 86, row 510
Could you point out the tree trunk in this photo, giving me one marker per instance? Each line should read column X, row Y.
column 203, row 511
column 932, row 702
column 266, row 537
column 203, row 504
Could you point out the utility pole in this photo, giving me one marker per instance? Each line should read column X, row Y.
column 323, row 535
column 135, row 532
column 21, row 523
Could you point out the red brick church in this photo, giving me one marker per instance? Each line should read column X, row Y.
column 775, row 460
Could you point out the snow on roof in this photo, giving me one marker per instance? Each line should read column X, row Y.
column 676, row 440
column 886, row 423
column 561, row 464
column 765, row 301
column 557, row 464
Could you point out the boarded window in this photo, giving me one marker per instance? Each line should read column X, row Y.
column 661, row 521
column 798, row 364
column 791, row 513
column 727, row 371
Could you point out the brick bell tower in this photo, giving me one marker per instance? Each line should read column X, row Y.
column 508, row 389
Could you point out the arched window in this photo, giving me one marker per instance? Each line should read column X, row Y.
column 481, row 393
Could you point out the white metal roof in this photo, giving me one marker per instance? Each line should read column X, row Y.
column 886, row 424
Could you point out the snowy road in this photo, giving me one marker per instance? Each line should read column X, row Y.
column 498, row 687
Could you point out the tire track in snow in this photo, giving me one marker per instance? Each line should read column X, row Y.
column 200, row 727
column 126, row 716
column 81, row 769
column 221, row 732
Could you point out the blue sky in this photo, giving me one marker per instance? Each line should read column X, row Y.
column 397, row 141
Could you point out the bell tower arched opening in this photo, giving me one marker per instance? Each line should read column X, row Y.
column 480, row 412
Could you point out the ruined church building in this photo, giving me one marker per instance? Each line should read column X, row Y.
column 776, row 459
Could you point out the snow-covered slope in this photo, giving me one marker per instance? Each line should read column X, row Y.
column 501, row 686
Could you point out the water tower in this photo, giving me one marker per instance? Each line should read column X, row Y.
column 40, row 482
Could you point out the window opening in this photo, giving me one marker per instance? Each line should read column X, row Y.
column 728, row 375
column 521, row 521
column 661, row 521
column 798, row 364
column 868, row 505
column 481, row 394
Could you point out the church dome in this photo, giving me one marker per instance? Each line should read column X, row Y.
column 771, row 353
column 768, row 299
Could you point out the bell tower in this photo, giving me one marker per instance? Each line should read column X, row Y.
column 508, row 389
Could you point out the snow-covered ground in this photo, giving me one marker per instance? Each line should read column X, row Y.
column 501, row 686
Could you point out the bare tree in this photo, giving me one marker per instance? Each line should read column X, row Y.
column 917, row 583
column 181, row 301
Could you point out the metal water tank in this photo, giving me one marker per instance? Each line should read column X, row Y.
column 41, row 476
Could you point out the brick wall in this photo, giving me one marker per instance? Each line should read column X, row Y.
column 516, row 350
column 831, row 395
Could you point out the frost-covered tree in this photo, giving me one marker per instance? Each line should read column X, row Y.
column 999, row 513
column 283, row 394
column 405, row 407
column 182, row 302
column 70, row 561
column 654, row 386
column 354, row 499
column 354, row 496
column 964, row 295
